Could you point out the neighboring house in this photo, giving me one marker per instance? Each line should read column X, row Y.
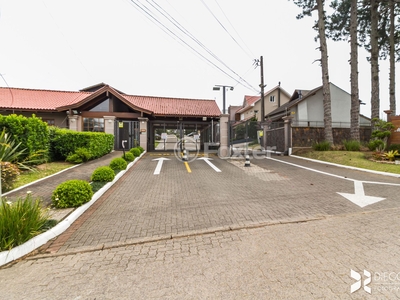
column 307, row 109
column 102, row 108
column 306, row 112
column 251, row 107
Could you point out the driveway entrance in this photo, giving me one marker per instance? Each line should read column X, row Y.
column 191, row 135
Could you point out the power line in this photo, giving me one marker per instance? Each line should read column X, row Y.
column 223, row 27
column 191, row 36
column 251, row 53
column 146, row 11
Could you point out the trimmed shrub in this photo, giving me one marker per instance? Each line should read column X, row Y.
column 394, row 147
column 72, row 193
column 74, row 158
column 118, row 164
column 9, row 174
column 373, row 145
column 80, row 155
column 21, row 221
column 135, row 151
column 128, row 157
column 105, row 174
column 65, row 141
column 140, row 148
column 322, row 146
column 352, row 145
column 31, row 132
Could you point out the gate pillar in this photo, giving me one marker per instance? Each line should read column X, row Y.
column 288, row 134
column 143, row 132
column 109, row 124
column 223, row 135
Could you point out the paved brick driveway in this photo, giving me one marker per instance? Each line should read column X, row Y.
column 205, row 235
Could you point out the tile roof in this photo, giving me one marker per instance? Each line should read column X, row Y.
column 28, row 99
column 161, row 106
column 48, row 100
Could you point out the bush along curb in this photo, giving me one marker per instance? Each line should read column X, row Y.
column 41, row 239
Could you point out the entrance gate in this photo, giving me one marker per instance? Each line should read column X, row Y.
column 167, row 135
column 126, row 131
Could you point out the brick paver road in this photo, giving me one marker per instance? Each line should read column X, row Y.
column 270, row 231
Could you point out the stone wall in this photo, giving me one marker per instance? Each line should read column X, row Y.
column 306, row 136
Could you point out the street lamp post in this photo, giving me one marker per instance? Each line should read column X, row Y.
column 217, row 88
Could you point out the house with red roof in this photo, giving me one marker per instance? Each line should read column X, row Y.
column 102, row 108
column 251, row 107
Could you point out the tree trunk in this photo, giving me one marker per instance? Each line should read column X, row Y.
column 374, row 60
column 325, row 73
column 392, row 74
column 355, row 101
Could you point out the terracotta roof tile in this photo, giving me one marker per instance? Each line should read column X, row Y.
column 27, row 99
column 161, row 106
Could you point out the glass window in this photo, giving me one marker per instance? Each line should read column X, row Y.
column 271, row 98
column 103, row 106
column 93, row 124
column 49, row 122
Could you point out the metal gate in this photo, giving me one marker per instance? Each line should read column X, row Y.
column 126, row 131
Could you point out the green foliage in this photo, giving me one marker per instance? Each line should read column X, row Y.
column 9, row 174
column 373, row 145
column 140, row 148
column 31, row 133
column 135, row 151
column 394, row 147
column 80, row 155
column 381, row 129
column 72, row 193
column 74, row 158
column 21, row 221
column 322, row 146
column 97, row 185
column 352, row 145
column 391, row 155
column 118, row 164
column 65, row 141
column 105, row 174
column 128, row 157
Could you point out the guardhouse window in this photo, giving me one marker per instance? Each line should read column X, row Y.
column 93, row 124
column 49, row 122
column 103, row 106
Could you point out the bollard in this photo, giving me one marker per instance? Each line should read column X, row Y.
column 184, row 156
column 247, row 163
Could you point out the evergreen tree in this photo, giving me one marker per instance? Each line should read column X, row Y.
column 308, row 6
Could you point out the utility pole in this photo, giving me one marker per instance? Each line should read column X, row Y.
column 262, row 89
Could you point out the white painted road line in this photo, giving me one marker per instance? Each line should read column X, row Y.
column 359, row 198
column 159, row 165
column 207, row 160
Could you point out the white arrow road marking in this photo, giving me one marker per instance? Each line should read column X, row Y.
column 159, row 165
column 207, row 160
column 359, row 198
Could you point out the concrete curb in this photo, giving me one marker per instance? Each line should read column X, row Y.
column 348, row 167
column 41, row 239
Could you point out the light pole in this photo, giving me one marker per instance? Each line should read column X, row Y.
column 217, row 88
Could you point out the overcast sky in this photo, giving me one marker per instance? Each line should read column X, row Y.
column 70, row 45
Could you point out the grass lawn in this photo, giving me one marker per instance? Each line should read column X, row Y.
column 42, row 171
column 351, row 158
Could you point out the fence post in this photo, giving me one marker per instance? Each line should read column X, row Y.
column 288, row 134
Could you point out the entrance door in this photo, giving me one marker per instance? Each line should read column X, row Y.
column 126, row 131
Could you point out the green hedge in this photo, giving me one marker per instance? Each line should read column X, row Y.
column 32, row 133
column 64, row 142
